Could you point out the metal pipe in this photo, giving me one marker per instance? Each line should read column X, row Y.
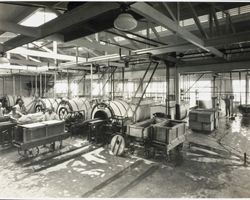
column 145, row 38
column 124, row 36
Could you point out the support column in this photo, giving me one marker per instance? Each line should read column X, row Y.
column 177, row 85
column 54, row 92
column 68, row 95
column 32, row 85
column 3, row 85
column 45, row 84
column 247, row 87
column 40, row 90
column 167, row 89
column 55, row 50
column 14, row 85
column 20, row 84
column 91, row 80
column 123, row 82
column 36, row 94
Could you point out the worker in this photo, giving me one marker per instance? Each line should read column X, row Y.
column 14, row 113
column 20, row 106
column 227, row 105
column 50, row 115
column 2, row 110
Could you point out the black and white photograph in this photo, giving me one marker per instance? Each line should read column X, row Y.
column 124, row 99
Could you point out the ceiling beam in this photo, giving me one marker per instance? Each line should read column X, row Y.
column 197, row 21
column 166, row 49
column 94, row 45
column 19, row 29
column 28, row 62
column 80, row 14
column 228, row 39
column 154, row 15
column 23, row 51
column 165, row 4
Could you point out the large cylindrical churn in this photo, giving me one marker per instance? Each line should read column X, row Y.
column 44, row 103
column 10, row 100
column 121, row 109
column 82, row 105
column 29, row 103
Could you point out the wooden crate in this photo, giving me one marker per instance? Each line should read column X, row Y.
column 141, row 129
column 54, row 127
column 205, row 117
column 194, row 125
column 193, row 115
column 34, row 131
column 168, row 131
column 208, row 126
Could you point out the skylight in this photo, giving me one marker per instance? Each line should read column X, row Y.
column 38, row 18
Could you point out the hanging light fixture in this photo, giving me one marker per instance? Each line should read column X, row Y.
column 125, row 22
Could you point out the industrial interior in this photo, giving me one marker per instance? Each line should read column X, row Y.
column 124, row 99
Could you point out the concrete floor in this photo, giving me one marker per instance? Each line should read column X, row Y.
column 211, row 167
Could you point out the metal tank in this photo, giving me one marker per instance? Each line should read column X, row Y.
column 83, row 105
column 44, row 103
column 29, row 104
column 121, row 109
column 10, row 100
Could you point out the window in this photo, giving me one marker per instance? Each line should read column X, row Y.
column 239, row 90
column 61, row 87
column 38, row 18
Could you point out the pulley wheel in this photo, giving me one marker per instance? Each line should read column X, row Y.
column 63, row 113
column 38, row 108
column 34, row 151
column 117, row 145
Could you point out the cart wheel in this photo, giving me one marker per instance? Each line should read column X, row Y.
column 34, row 152
column 38, row 108
column 52, row 147
column 63, row 112
column 21, row 152
column 117, row 145
column 61, row 144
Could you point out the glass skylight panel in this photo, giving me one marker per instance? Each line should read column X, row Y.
column 203, row 18
column 219, row 15
column 38, row 18
column 244, row 9
column 233, row 11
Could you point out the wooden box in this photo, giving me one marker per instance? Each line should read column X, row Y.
column 205, row 117
column 141, row 129
column 33, row 132
column 54, row 127
column 193, row 115
column 208, row 126
column 168, row 131
column 194, row 125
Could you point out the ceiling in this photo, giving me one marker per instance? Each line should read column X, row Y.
column 86, row 29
